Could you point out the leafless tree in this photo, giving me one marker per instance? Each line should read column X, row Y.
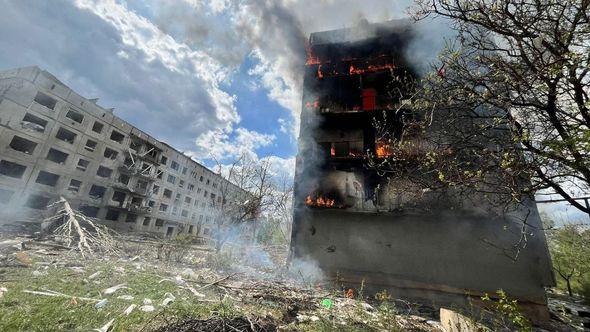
column 505, row 113
column 248, row 190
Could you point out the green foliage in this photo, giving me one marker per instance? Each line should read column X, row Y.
column 570, row 252
column 269, row 233
column 507, row 312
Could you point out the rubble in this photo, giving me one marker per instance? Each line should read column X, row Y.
column 273, row 298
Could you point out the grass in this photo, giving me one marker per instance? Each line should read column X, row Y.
column 28, row 312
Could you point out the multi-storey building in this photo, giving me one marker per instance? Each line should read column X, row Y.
column 54, row 142
column 366, row 229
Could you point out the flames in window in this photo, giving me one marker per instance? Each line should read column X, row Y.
column 320, row 201
column 382, row 148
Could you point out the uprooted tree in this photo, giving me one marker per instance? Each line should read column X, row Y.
column 79, row 231
column 506, row 111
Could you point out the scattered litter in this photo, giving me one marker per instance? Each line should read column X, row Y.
column 120, row 269
column 53, row 293
column 134, row 258
column 94, row 275
column 306, row 318
column 113, row 289
column 327, row 303
column 3, row 290
column 37, row 273
column 106, row 326
column 169, row 298
column 147, row 308
column 147, row 301
column 23, row 258
column 101, row 303
column 125, row 297
column 77, row 269
column 129, row 309
column 367, row 306
column 195, row 293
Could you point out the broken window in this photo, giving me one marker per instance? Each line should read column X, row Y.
column 110, row 153
column 112, row 215
column 163, row 160
column 89, row 210
column 66, row 135
column 184, row 169
column 97, row 192
column 57, row 156
column 104, row 172
column 190, row 229
column 208, row 181
column 169, row 231
column 142, row 184
column 199, row 190
column 130, row 217
column 45, row 100
column 163, row 207
column 171, row 179
column 174, row 210
column 213, row 196
column 146, row 221
column 117, row 136
column 206, row 231
column 47, row 178
column 82, row 165
column 5, row 196
column 90, row 145
column 155, row 189
column 181, row 184
column 23, row 145
column 75, row 116
column 201, row 178
column 159, row 222
column 174, row 165
column 124, row 179
column 200, row 218
column 38, row 202
column 34, row 123
column 191, row 187
column 187, row 200
column 167, row 193
column 184, row 213
column 152, row 203
column 74, row 185
column 119, row 197
column 205, row 194
column 97, row 127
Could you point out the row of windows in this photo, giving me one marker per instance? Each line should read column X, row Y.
column 15, row 170
column 28, row 147
column 49, row 102
column 97, row 127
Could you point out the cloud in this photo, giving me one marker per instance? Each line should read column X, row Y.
column 228, row 146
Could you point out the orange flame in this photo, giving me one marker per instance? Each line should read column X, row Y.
column 320, row 201
column 382, row 149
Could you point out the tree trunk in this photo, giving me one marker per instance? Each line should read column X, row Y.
column 569, row 287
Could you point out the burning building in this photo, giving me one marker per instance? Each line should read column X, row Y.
column 360, row 226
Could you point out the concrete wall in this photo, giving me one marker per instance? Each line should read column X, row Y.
column 423, row 255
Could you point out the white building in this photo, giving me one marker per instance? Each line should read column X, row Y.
column 54, row 142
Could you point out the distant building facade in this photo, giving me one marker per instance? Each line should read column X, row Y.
column 54, row 142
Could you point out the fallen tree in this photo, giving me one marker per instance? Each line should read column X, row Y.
column 79, row 231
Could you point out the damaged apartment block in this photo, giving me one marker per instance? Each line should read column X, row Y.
column 362, row 228
column 56, row 143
